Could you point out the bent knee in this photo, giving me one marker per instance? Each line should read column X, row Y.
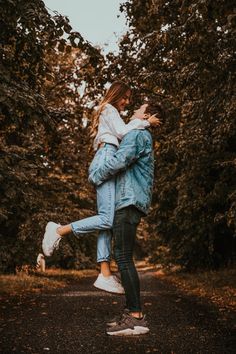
column 107, row 223
column 124, row 260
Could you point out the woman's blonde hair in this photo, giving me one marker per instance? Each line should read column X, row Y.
column 116, row 91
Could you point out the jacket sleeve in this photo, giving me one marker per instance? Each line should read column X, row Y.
column 118, row 127
column 131, row 148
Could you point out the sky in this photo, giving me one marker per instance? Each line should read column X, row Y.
column 95, row 20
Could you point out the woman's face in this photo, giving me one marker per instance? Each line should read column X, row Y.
column 124, row 101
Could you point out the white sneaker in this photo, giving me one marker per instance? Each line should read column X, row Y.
column 110, row 284
column 51, row 238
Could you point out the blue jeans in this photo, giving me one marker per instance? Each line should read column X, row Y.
column 103, row 221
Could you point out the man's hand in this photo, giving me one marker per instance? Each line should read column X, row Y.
column 154, row 121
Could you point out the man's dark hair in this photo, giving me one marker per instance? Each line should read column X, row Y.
column 155, row 108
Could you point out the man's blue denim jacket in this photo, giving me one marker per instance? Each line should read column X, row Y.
column 133, row 163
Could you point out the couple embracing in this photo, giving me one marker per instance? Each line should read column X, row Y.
column 122, row 171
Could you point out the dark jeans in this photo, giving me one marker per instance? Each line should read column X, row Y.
column 124, row 234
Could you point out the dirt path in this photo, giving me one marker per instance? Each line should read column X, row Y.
column 72, row 320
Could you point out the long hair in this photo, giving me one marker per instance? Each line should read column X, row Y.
column 116, row 91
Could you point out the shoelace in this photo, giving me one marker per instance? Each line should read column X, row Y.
column 123, row 319
column 117, row 279
column 57, row 243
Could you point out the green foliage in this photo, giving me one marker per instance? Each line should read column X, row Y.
column 44, row 154
column 181, row 53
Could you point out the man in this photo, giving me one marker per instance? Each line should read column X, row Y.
column 135, row 164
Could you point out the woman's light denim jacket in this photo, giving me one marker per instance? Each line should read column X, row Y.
column 133, row 163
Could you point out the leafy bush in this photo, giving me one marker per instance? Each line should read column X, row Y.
column 181, row 53
column 44, row 153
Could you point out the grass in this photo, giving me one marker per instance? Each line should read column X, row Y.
column 217, row 286
column 52, row 279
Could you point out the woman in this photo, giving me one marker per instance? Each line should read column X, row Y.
column 108, row 129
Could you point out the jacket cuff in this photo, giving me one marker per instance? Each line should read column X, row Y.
column 147, row 124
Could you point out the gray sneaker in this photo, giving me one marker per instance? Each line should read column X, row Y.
column 129, row 326
column 114, row 321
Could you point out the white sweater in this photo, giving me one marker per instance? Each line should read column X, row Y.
column 112, row 128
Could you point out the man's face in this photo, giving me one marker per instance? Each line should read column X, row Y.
column 124, row 101
column 142, row 109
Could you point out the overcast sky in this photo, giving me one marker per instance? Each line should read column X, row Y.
column 96, row 20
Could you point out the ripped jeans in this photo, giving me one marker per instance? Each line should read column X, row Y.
column 103, row 221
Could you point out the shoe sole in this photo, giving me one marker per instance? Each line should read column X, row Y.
column 130, row 332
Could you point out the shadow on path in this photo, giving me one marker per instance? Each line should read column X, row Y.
column 72, row 320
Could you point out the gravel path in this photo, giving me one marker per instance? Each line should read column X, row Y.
column 72, row 320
